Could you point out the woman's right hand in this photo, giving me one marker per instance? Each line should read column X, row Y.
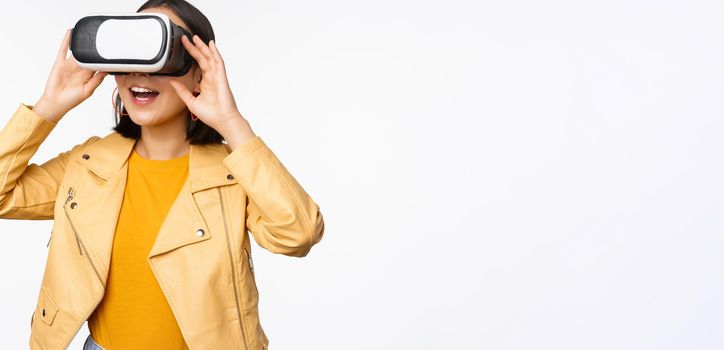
column 68, row 85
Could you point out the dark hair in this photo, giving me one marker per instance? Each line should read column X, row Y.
column 196, row 131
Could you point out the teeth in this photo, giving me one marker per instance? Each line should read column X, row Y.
column 140, row 89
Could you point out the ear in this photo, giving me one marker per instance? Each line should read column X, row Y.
column 198, row 75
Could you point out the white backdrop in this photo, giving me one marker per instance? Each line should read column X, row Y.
column 493, row 175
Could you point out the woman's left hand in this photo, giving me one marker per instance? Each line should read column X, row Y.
column 215, row 105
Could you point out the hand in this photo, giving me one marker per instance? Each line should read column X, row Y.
column 215, row 104
column 68, row 85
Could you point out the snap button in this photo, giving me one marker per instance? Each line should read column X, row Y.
column 42, row 312
column 200, row 232
column 85, row 156
column 73, row 205
column 229, row 177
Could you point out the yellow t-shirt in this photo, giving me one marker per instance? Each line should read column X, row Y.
column 134, row 313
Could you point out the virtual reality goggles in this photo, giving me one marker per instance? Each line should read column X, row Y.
column 130, row 42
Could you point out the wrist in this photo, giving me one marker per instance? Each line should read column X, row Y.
column 48, row 110
column 231, row 124
column 236, row 131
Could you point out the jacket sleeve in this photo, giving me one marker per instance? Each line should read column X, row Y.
column 28, row 191
column 281, row 216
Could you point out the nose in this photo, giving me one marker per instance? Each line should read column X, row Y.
column 139, row 74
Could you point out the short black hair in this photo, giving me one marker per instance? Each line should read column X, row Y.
column 196, row 131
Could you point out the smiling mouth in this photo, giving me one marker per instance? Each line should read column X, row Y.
column 143, row 95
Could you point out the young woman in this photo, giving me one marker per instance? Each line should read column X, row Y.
column 150, row 239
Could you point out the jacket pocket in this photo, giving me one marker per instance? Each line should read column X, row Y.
column 46, row 309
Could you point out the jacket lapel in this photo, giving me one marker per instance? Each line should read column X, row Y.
column 98, row 203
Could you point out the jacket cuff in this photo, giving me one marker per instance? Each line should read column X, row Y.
column 243, row 151
column 42, row 126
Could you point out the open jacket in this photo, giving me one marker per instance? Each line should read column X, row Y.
column 201, row 257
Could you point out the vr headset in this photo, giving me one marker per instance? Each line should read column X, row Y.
column 121, row 43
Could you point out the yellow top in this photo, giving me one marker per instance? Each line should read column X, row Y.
column 134, row 313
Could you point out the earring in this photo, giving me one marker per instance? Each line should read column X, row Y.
column 113, row 101
column 193, row 117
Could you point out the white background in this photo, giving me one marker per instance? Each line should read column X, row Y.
column 493, row 175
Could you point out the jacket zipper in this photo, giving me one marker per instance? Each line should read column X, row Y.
column 233, row 270
column 71, row 192
column 77, row 238
column 98, row 301
column 248, row 258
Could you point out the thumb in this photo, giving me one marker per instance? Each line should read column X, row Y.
column 182, row 92
column 94, row 82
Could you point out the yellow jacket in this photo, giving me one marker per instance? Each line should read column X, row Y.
column 202, row 254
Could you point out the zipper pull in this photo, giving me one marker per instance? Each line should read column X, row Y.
column 71, row 192
column 248, row 258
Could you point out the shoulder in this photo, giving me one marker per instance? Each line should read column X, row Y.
column 91, row 140
column 79, row 147
column 110, row 139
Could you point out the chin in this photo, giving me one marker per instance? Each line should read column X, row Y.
column 142, row 118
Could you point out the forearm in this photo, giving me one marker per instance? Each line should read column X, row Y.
column 26, row 191
column 280, row 214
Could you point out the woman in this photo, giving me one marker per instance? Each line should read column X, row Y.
column 163, row 196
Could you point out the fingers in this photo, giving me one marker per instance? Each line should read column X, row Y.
column 182, row 92
column 94, row 82
column 64, row 46
column 215, row 51
column 207, row 57
column 205, row 50
column 195, row 53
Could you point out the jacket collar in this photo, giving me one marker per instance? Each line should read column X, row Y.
column 107, row 156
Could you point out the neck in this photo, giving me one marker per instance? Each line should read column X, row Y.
column 163, row 141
